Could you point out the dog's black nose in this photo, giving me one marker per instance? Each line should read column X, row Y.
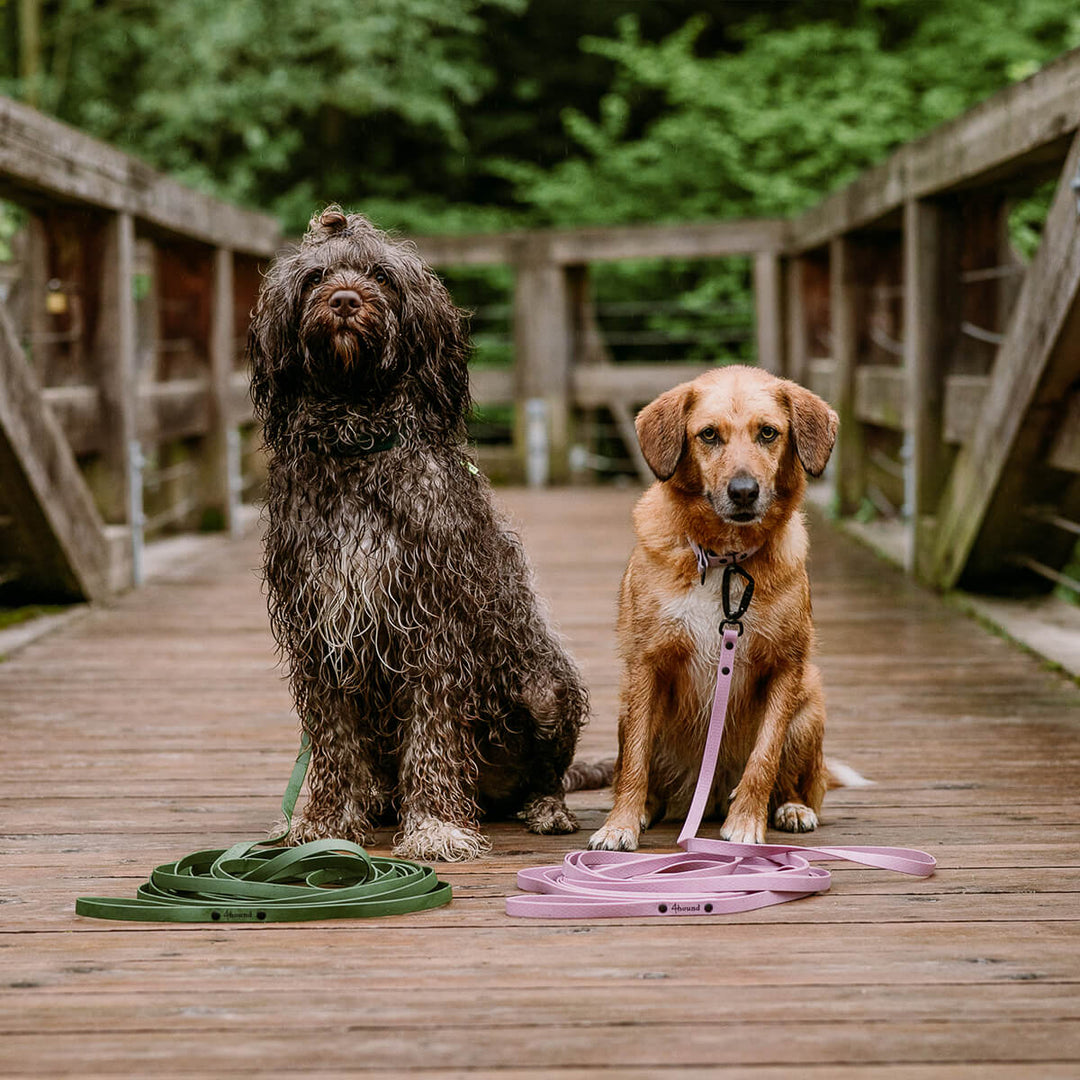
column 743, row 490
column 345, row 301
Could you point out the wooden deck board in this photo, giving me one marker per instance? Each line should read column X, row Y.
column 159, row 724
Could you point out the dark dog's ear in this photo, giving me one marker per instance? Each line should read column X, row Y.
column 813, row 428
column 661, row 431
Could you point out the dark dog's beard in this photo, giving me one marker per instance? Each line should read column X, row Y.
column 352, row 358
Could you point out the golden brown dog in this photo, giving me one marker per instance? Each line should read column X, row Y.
column 730, row 451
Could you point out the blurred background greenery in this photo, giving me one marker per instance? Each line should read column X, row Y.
column 465, row 115
column 438, row 116
column 471, row 115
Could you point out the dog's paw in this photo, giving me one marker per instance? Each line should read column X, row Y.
column 431, row 839
column 305, row 829
column 795, row 817
column 549, row 815
column 614, row 838
column 743, row 830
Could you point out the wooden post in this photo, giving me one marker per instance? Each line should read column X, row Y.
column 795, row 320
column 219, row 470
column 542, row 348
column 931, row 284
column 114, row 349
column 1003, row 469
column 845, row 303
column 769, row 310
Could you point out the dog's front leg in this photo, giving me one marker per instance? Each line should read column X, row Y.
column 748, row 814
column 344, row 795
column 437, row 779
column 628, row 815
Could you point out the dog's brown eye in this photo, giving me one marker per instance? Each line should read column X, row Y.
column 767, row 433
column 380, row 277
column 709, row 435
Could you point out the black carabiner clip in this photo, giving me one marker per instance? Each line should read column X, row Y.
column 733, row 614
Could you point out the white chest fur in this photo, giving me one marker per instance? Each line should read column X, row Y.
column 698, row 613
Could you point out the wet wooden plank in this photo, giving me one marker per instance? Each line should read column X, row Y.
column 160, row 725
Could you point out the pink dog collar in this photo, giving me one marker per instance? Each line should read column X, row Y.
column 706, row 559
column 708, row 877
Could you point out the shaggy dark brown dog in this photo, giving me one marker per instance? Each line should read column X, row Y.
column 422, row 666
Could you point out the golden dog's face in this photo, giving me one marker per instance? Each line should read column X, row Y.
column 739, row 436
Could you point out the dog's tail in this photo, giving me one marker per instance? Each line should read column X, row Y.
column 842, row 775
column 586, row 775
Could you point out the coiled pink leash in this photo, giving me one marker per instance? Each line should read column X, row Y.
column 708, row 877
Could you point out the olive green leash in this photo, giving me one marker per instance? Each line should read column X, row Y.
column 255, row 881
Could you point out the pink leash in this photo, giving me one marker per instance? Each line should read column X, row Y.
column 708, row 877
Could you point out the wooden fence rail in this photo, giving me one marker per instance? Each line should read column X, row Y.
column 127, row 319
column 953, row 363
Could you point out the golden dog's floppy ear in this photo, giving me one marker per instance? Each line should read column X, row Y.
column 813, row 428
column 661, row 431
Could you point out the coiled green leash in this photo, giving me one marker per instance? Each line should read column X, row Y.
column 254, row 882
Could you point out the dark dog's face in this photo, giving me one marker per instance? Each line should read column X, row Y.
column 741, row 438
column 352, row 289
column 352, row 313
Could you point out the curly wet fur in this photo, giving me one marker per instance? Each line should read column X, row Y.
column 421, row 663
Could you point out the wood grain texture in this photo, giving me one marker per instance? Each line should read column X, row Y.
column 1002, row 469
column 160, row 724
column 43, row 160
column 1023, row 129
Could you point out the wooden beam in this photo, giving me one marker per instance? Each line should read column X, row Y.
column 769, row 311
column 1003, row 465
column 821, row 378
column 220, row 473
column 931, row 286
column 60, row 546
column 597, row 385
column 240, row 398
column 492, row 386
column 1065, row 452
column 795, row 328
column 881, row 396
column 114, row 350
column 542, row 352
column 177, row 409
column 42, row 159
column 1026, row 124
column 845, row 305
column 624, row 421
column 963, row 402
column 704, row 240
column 482, row 249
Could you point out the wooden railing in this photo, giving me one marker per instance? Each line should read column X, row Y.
column 953, row 364
column 557, row 365
column 126, row 322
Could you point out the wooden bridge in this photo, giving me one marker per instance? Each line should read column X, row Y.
column 157, row 726
column 154, row 722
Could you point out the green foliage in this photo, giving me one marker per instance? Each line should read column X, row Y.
column 275, row 103
column 471, row 115
column 478, row 115
column 794, row 113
